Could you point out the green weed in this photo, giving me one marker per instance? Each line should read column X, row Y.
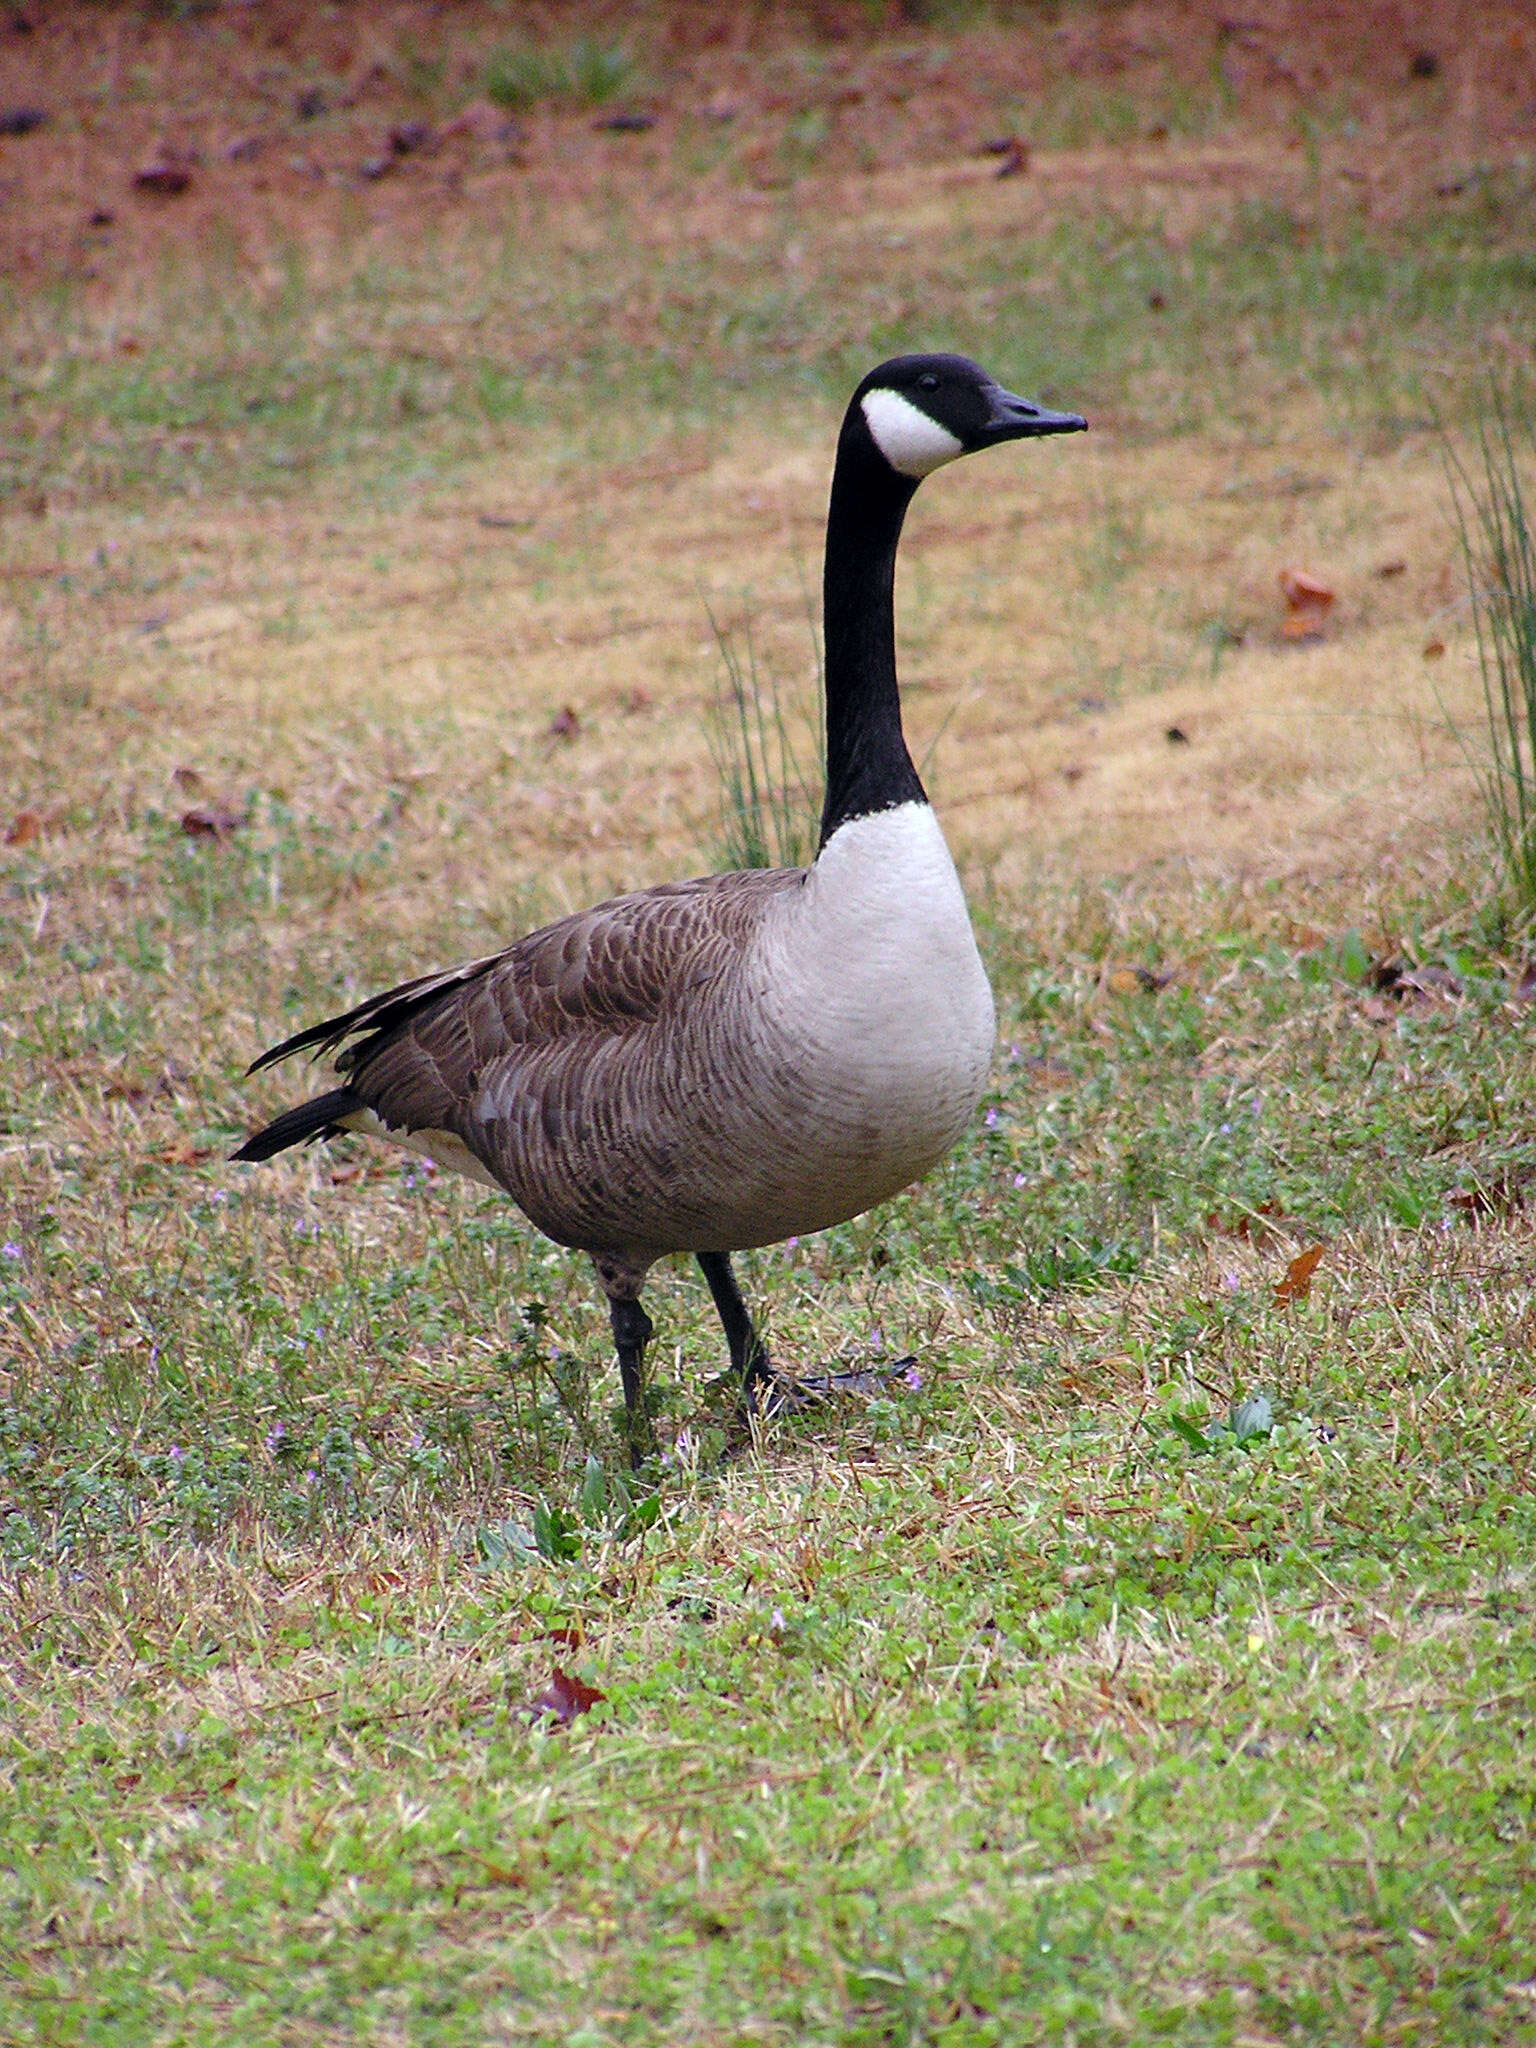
column 1499, row 549
column 770, row 801
column 520, row 75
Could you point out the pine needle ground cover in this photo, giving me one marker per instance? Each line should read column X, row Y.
column 1153, row 1658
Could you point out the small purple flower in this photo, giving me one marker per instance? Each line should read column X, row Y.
column 1019, row 1179
column 992, row 1119
column 791, row 1244
column 912, row 1378
column 274, row 1439
column 10, row 1249
column 219, row 1195
column 776, row 1622
column 1226, row 1130
column 175, row 1454
column 1014, row 1053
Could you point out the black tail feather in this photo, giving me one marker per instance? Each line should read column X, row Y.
column 376, row 1018
column 303, row 1125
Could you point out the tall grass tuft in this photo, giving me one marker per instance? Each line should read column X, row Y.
column 518, row 75
column 770, row 804
column 1494, row 508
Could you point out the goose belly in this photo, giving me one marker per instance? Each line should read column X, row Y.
column 878, row 1026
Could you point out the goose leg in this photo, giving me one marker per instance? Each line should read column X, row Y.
column 749, row 1355
column 632, row 1331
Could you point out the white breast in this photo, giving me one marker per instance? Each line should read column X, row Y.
column 877, row 1016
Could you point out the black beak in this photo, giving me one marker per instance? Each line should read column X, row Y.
column 1017, row 419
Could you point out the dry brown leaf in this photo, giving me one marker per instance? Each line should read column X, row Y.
column 1297, row 1283
column 1433, row 649
column 1500, row 1197
column 1133, row 980
column 1258, row 1226
column 563, row 1699
column 24, row 828
column 167, row 176
column 1308, row 601
column 187, row 779
column 182, row 1152
column 211, row 821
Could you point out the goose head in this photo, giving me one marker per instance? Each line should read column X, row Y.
column 918, row 412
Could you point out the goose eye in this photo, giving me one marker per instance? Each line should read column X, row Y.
column 928, row 382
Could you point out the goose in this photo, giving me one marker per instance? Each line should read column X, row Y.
column 710, row 1065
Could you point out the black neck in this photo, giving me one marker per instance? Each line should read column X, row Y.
column 868, row 766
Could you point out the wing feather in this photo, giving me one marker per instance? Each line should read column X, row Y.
column 528, row 1042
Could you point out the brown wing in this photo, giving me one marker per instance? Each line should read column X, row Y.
column 544, row 1010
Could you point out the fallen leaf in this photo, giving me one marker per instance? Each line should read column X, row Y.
column 167, row 176
column 182, row 1152
column 24, row 828
column 1307, row 605
column 1303, row 592
column 1433, row 649
column 211, row 821
column 187, row 779
column 1390, row 569
column 565, row 724
column 563, row 1699
column 1259, row 1226
column 1499, row 1197
column 343, row 1176
column 1128, row 981
column 1297, row 1284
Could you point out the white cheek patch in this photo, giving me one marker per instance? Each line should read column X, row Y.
column 910, row 441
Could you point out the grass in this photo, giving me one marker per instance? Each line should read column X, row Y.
column 1160, row 1666
column 770, row 800
column 339, row 364
column 1500, row 553
column 521, row 75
